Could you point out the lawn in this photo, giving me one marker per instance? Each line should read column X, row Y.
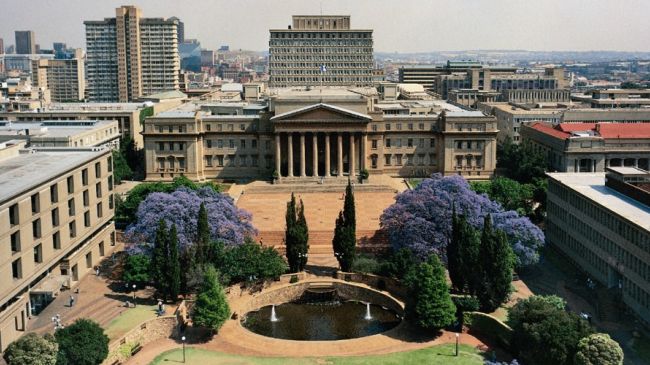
column 129, row 319
column 436, row 355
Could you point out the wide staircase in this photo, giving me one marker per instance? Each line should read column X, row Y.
column 313, row 187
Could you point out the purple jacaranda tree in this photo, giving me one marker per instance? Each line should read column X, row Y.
column 228, row 224
column 420, row 219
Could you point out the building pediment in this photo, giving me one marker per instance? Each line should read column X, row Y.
column 321, row 113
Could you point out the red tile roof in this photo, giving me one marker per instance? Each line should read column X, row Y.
column 576, row 127
column 545, row 128
column 624, row 130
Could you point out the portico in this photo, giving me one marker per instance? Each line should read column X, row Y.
column 320, row 140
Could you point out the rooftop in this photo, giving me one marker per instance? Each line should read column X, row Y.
column 54, row 128
column 602, row 130
column 592, row 186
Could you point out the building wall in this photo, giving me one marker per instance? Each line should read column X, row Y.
column 101, row 61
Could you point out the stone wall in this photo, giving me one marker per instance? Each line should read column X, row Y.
column 148, row 331
column 378, row 282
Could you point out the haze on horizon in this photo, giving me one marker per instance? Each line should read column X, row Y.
column 399, row 26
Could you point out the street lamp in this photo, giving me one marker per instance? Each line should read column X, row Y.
column 183, row 339
column 457, row 336
column 133, row 295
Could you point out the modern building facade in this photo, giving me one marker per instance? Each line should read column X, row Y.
column 25, row 42
column 129, row 56
column 591, row 147
column 63, row 77
column 320, row 50
column 616, row 98
column 601, row 221
column 56, row 209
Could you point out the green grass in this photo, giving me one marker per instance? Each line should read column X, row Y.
column 129, row 319
column 642, row 348
column 436, row 355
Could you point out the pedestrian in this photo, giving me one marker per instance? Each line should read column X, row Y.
column 97, row 271
column 160, row 305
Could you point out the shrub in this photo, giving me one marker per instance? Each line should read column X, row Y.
column 136, row 269
column 251, row 260
column 366, row 265
column 466, row 303
column 32, row 349
column 211, row 308
column 82, row 343
column 598, row 349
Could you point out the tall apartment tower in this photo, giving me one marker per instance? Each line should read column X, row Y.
column 25, row 42
column 320, row 50
column 130, row 56
column 63, row 77
column 180, row 29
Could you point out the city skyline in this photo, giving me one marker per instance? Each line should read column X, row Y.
column 553, row 26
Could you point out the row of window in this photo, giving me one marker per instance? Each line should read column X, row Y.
column 410, row 159
column 409, row 143
column 236, row 161
column 320, row 35
column 219, row 127
column 469, row 161
column 470, row 145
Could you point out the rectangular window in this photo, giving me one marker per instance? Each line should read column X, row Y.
column 13, row 215
column 208, row 160
column 410, row 126
column 170, row 129
column 181, row 163
column 87, row 219
column 110, row 202
column 398, row 142
column 38, row 253
column 110, row 183
column 387, row 126
column 100, row 212
column 374, row 127
column 399, row 160
column 220, row 161
column 161, row 146
column 421, row 143
column 399, row 126
column 36, row 200
column 220, row 143
column 98, row 190
column 242, row 143
column 207, row 127
column 101, row 248
column 409, row 142
column 15, row 242
column 16, row 269
column 71, row 210
column 56, row 240
column 387, row 160
column 86, row 198
column 55, row 217
column 432, row 142
column 89, row 260
column 98, row 170
column 231, row 143
column 373, row 144
column 242, row 127
column 54, row 193
column 421, row 126
column 110, row 164
column 84, row 177
column 36, row 228
column 70, row 183
column 387, row 142
column 208, row 143
column 254, row 144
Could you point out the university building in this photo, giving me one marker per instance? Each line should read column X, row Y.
column 56, row 209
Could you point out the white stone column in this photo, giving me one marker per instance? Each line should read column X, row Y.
column 327, row 154
column 302, row 154
column 364, row 157
column 315, row 153
column 290, row 153
column 278, row 159
column 339, row 152
column 352, row 157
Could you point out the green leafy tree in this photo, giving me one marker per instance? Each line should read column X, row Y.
column 121, row 169
column 32, row 349
column 496, row 265
column 521, row 162
column 399, row 263
column 598, row 349
column 81, row 343
column 173, row 265
column 137, row 269
column 469, row 251
column 251, row 260
column 202, row 236
column 534, row 309
column 511, row 194
column 211, row 308
column 159, row 259
column 429, row 304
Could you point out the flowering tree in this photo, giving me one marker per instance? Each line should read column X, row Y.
column 420, row 219
column 228, row 224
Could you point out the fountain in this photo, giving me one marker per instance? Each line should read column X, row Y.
column 368, row 316
column 274, row 317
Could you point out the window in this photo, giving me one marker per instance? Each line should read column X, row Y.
column 98, row 170
column 409, row 159
column 254, row 144
column 170, row 129
column 98, row 189
column 399, row 126
column 242, row 143
column 171, row 146
column 409, row 142
column 387, row 142
column 89, row 260
column 36, row 206
column 100, row 212
column 15, row 242
column 399, row 160
column 54, row 193
column 220, row 143
column 410, row 126
column 101, row 248
column 459, row 145
column 110, row 164
column 421, row 126
column 110, row 202
column 432, row 142
column 55, row 217
column 374, row 127
column 208, row 160
column 84, row 177
column 373, row 144
column 387, row 126
column 219, row 160
column 16, row 269
column 36, row 228
column 13, row 215
column 87, row 219
column 387, row 160
column 38, row 253
column 70, row 183
column 181, row 163
column 231, row 143
column 86, row 198
column 71, row 210
column 208, row 143
column 161, row 146
column 459, row 162
column 110, row 183
column 242, row 127
column 398, row 142
column 479, row 161
column 56, row 240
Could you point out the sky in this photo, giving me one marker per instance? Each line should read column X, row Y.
column 399, row 25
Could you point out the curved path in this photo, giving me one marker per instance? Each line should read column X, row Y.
column 234, row 339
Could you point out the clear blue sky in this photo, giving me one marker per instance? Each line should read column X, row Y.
column 401, row 26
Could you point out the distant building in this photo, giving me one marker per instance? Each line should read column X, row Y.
column 63, row 133
column 180, row 29
column 616, row 98
column 601, row 222
column 591, row 147
column 25, row 42
column 207, row 58
column 2, row 47
column 56, row 209
column 317, row 50
column 63, row 77
column 129, row 56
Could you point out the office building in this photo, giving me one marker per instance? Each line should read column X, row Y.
column 63, row 133
column 601, row 221
column 129, row 56
column 2, row 47
column 25, row 42
column 56, row 211
column 63, row 77
column 591, row 147
column 317, row 50
column 615, row 98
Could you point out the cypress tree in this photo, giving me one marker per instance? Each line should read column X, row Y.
column 349, row 213
column 202, row 236
column 468, row 251
column 344, row 242
column 338, row 238
column 496, row 263
column 290, row 236
column 302, row 237
column 174, row 265
column 454, row 259
column 159, row 258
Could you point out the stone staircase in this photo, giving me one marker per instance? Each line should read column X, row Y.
column 313, row 187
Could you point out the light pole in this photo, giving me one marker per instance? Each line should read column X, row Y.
column 457, row 336
column 133, row 295
column 183, row 339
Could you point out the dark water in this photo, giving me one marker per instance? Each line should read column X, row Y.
column 313, row 322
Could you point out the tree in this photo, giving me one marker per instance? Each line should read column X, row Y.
column 159, row 258
column 345, row 240
column 454, row 259
column 202, row 236
column 534, row 309
column 137, row 269
column 291, row 239
column 173, row 265
column 521, row 162
column 469, row 244
column 349, row 213
column 121, row 169
column 598, row 349
column 399, row 263
column 420, row 219
column 241, row 263
column 229, row 224
column 496, row 265
column 429, row 304
column 302, row 237
column 211, row 308
column 32, row 349
column 82, row 343
column 511, row 194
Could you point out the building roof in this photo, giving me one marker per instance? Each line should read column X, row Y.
column 166, row 95
column 324, row 106
column 576, row 127
column 603, row 130
column 547, row 129
column 55, row 128
column 624, row 130
column 465, row 114
column 26, row 171
column 592, row 186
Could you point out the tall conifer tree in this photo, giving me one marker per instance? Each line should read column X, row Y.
column 173, row 265
column 202, row 236
column 302, row 237
column 496, row 263
column 159, row 258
